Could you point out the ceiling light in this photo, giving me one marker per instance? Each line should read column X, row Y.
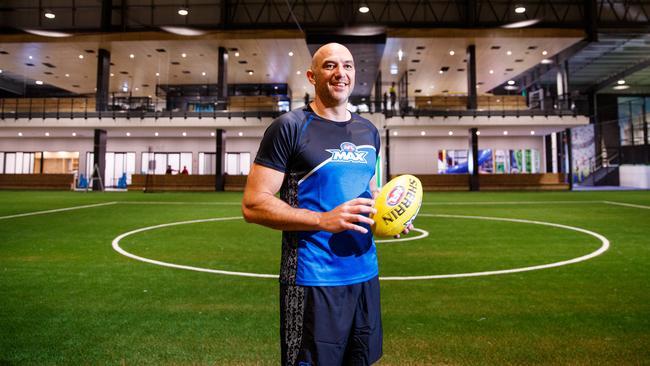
column 510, row 87
column 184, row 134
column 45, row 33
column 522, row 24
column 111, row 74
column 298, row 72
column 39, row 82
column 68, row 75
column 532, row 132
column 620, row 82
column 450, row 133
column 440, row 72
column 519, row 9
column 395, row 133
column 290, row 53
column 20, row 133
column 155, row 134
column 451, row 53
column 236, row 54
column 621, row 87
column 212, row 134
column 511, row 82
column 183, row 11
column 393, row 69
column 203, row 73
column 128, row 134
column 136, row 89
column 74, row 134
column 363, row 8
column 509, row 53
column 547, row 61
column 80, row 57
column 30, row 57
column 422, row 133
column 505, row 133
column 491, row 71
column 0, row 71
column 131, row 56
column 240, row 134
column 183, row 55
column 49, row 15
column 47, row 134
column 183, row 31
column 250, row 72
column 157, row 74
column 478, row 133
column 545, row 52
column 400, row 55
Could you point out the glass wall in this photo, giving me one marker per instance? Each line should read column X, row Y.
column 633, row 114
column 237, row 163
column 119, row 168
column 20, row 162
column 159, row 162
column 490, row 161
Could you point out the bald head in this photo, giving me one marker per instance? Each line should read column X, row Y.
column 332, row 74
column 328, row 50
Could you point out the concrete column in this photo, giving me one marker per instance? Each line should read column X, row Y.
column 222, row 78
column 103, row 77
column 220, row 159
column 472, row 160
column 99, row 160
column 472, row 100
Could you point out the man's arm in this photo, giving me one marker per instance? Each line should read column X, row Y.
column 261, row 206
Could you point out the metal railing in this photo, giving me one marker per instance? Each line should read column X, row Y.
column 258, row 107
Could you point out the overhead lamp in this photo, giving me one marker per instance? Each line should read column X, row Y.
column 39, row 82
column 400, row 55
column 47, row 134
column 450, row 133
column 156, row 134
column 491, row 71
column 49, row 15
column 510, row 87
column 422, row 133
column 236, row 54
column 532, row 132
column 451, row 53
column 298, row 72
column 547, row 61
column 20, row 133
column 183, row 11
column 522, row 24
column 290, row 53
column 505, row 133
column 68, row 75
column 183, row 55
column 363, row 8
column 184, row 134
column 131, row 56
column 212, row 134
column 203, row 73
column 395, row 133
column 74, row 134
column 478, row 133
column 240, row 134
column 509, row 53
column 621, row 87
column 620, row 82
column 81, row 57
column 183, row 31
column 520, row 9
column 0, row 71
column 511, row 82
column 128, row 134
column 544, row 53
column 46, row 33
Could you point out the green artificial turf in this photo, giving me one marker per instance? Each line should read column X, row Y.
column 68, row 298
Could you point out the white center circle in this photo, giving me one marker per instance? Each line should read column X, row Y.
column 603, row 248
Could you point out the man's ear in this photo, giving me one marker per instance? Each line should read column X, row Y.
column 310, row 77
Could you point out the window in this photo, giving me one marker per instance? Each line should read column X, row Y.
column 156, row 162
column 19, row 162
column 238, row 163
column 119, row 165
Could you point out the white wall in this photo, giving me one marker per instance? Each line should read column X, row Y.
column 637, row 176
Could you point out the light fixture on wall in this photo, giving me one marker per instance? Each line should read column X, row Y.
column 183, row 11
column 49, row 14
column 520, row 9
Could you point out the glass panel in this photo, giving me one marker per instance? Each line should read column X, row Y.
column 245, row 163
column 175, row 161
column 10, row 163
column 109, row 170
column 232, row 162
column 160, row 165
column 186, row 162
column 130, row 166
column 2, row 163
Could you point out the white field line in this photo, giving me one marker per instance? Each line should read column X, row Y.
column 116, row 246
column 56, row 210
column 423, row 234
column 626, row 204
column 603, row 248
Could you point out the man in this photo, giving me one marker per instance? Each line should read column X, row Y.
column 322, row 160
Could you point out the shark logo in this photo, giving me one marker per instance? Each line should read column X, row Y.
column 348, row 154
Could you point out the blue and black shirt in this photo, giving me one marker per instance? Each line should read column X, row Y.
column 325, row 163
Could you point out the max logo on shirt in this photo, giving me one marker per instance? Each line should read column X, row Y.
column 348, row 154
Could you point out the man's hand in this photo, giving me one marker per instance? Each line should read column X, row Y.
column 405, row 231
column 346, row 214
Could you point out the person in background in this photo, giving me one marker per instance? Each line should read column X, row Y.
column 184, row 171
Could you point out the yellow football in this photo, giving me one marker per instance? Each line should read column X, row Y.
column 397, row 205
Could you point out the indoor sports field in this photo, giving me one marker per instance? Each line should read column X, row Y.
column 67, row 297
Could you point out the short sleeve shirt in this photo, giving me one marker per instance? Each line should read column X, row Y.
column 325, row 163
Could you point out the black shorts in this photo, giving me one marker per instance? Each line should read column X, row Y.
column 330, row 325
